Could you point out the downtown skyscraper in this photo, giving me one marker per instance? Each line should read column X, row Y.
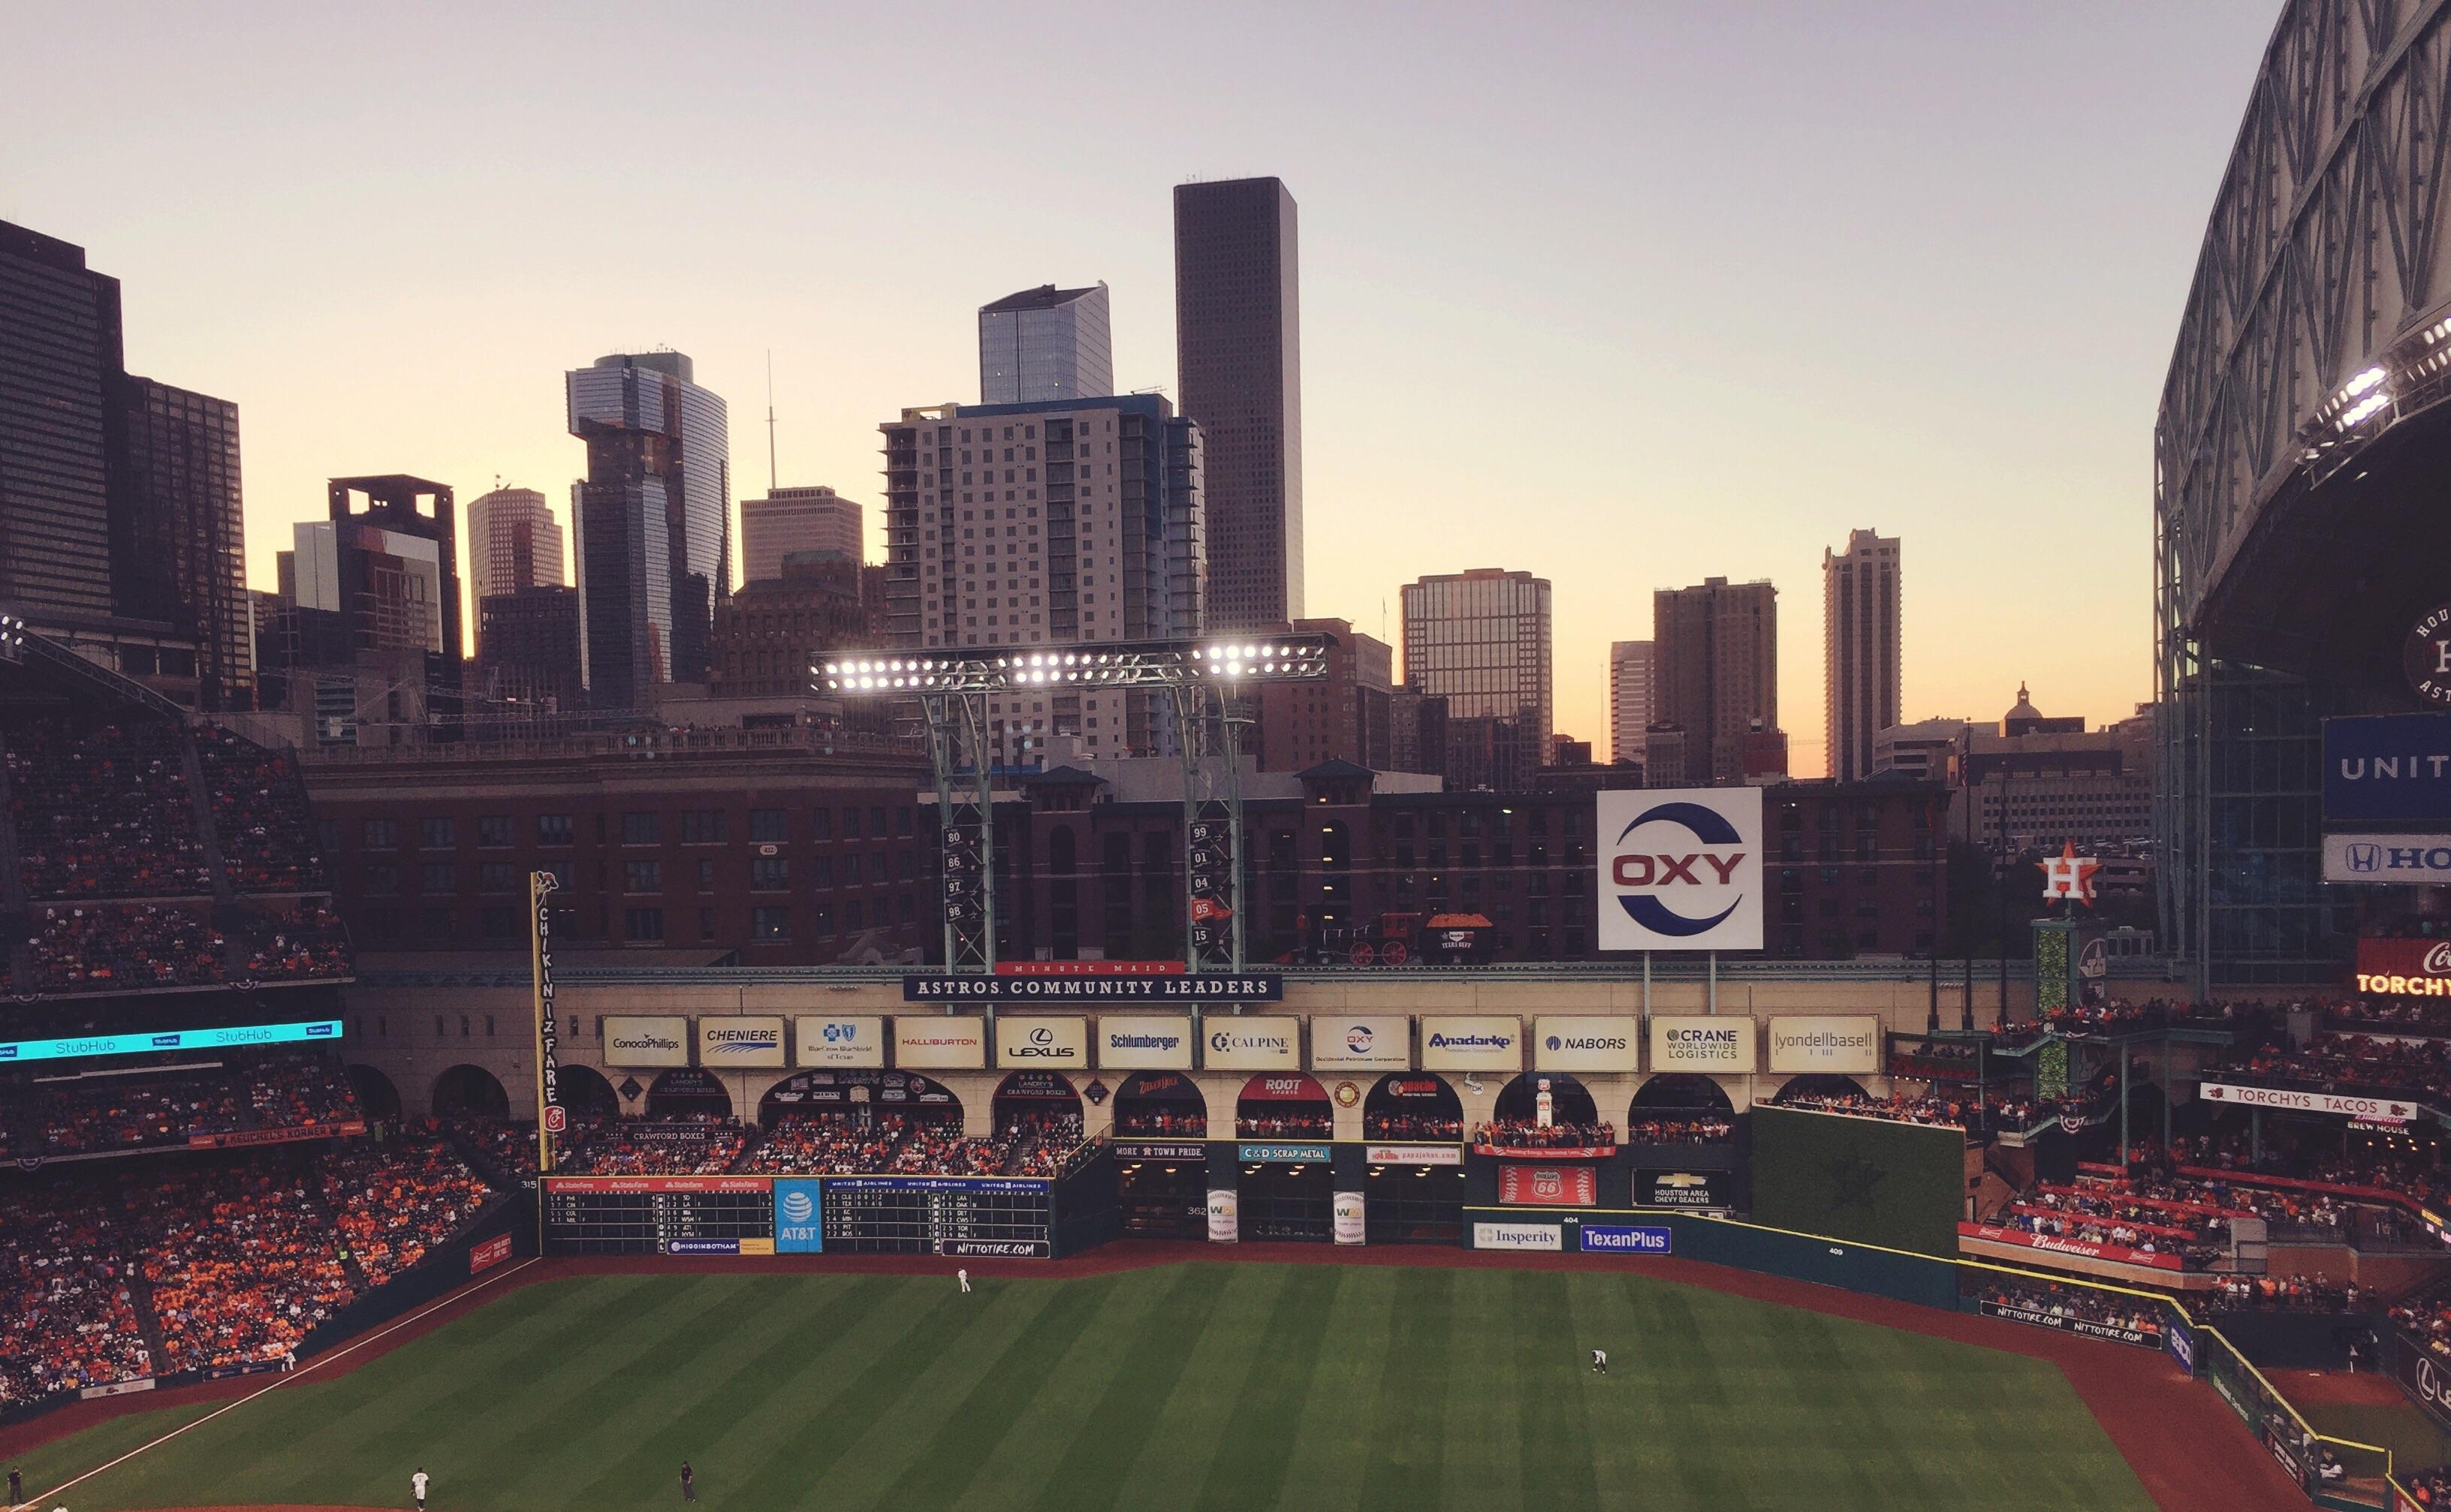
column 1860, row 648
column 653, row 520
column 1715, row 670
column 513, row 542
column 1046, row 344
column 1237, row 358
column 1479, row 639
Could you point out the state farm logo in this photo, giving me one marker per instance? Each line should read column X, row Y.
column 1675, row 869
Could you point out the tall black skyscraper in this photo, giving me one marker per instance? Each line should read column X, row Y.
column 60, row 362
column 179, row 529
column 1237, row 355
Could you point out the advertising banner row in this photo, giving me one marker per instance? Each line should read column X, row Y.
column 1728, row 1044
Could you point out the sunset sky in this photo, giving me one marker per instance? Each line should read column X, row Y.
column 1625, row 295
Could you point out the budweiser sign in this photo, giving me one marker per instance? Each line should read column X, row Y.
column 2053, row 1244
column 2385, row 1108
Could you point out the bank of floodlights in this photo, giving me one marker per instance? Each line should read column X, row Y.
column 13, row 636
column 1130, row 664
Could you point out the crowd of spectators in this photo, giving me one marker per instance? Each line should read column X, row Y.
column 1041, row 1140
column 2110, row 1308
column 1284, row 1121
column 304, row 940
column 105, row 813
column 123, row 948
column 1935, row 1107
column 1383, row 1125
column 693, row 1144
column 66, row 1318
column 1524, row 1133
column 2268, row 1293
column 393, row 1201
column 939, row 1150
column 260, row 814
column 245, row 1262
column 809, row 1144
column 172, row 1101
column 509, row 1146
column 2144, row 1238
column 1711, row 1128
column 2335, row 1062
column 1163, row 1120
column 298, row 1089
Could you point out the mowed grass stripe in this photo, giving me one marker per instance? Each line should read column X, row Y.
column 1408, row 1420
column 1552, row 1421
column 1324, row 1468
column 1254, row 1441
column 1118, row 1425
column 1665, row 1395
column 1184, row 1441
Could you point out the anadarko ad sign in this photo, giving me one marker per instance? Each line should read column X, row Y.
column 1132, row 1042
column 1594, row 1044
column 1361, row 1042
column 1680, row 869
column 947, row 1043
column 740, row 1040
column 1722, row 1042
column 1847, row 1046
column 849, row 1041
column 1480, row 1043
column 1032, row 1043
column 2227, row 1092
column 662, row 1040
column 1269, row 1044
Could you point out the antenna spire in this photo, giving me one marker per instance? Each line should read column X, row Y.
column 770, row 421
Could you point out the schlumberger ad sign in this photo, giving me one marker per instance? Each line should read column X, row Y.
column 1680, row 869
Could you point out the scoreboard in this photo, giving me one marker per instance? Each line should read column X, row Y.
column 937, row 1215
column 661, row 1216
column 860, row 1216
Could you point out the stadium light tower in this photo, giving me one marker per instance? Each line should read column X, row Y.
column 1200, row 678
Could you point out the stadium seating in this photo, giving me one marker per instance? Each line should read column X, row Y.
column 693, row 1146
column 172, row 1100
column 68, row 1320
column 90, row 948
column 1161, row 1120
column 395, row 1200
column 1411, row 1125
column 1284, row 1125
column 259, row 813
column 1938, row 1108
column 1704, row 1131
column 1522, row 1133
column 105, row 812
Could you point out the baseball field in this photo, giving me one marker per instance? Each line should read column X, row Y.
column 1180, row 1386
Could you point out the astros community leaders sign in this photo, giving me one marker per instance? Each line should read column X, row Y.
column 1680, row 869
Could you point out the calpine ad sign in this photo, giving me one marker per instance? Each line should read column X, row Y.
column 1680, row 869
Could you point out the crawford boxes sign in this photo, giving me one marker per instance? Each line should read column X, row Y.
column 752, row 1040
column 1849, row 1045
column 1361, row 1042
column 1031, row 1043
column 1586, row 1044
column 1722, row 1043
column 1475, row 1044
column 848, row 1041
column 1680, row 869
column 658, row 1041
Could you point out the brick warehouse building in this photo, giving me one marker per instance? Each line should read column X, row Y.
column 793, row 847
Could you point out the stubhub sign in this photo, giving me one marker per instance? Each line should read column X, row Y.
column 1680, row 869
column 1627, row 1240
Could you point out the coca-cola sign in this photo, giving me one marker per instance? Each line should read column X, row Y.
column 2420, row 958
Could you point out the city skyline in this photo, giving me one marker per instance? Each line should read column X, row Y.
column 1857, row 369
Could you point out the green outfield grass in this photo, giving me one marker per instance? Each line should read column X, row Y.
column 1224, row 1387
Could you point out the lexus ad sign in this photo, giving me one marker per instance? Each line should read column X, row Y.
column 1680, row 869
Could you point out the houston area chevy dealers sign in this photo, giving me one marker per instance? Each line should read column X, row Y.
column 1680, row 869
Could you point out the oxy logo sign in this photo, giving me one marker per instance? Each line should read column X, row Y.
column 1680, row 869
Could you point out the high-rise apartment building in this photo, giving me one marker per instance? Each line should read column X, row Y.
column 1480, row 640
column 1860, row 649
column 514, row 543
column 1059, row 525
column 527, row 650
column 794, row 521
column 60, row 360
column 1046, row 344
column 1237, row 358
column 1343, row 717
column 1630, row 701
column 1716, row 671
column 653, row 521
column 179, row 529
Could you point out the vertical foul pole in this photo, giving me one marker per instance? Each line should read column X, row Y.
column 549, row 1118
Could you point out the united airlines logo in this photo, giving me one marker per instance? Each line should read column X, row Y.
column 1662, row 880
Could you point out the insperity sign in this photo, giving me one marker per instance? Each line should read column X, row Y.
column 1680, row 869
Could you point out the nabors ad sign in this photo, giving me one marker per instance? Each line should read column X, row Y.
column 1680, row 869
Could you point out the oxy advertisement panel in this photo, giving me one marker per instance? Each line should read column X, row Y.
column 1144, row 1042
column 1272, row 1043
column 740, row 1040
column 953, row 1042
column 1478, row 1042
column 1720, row 1043
column 1844, row 1045
column 1032, row 1042
column 845, row 1040
column 1586, row 1044
column 2389, row 768
column 1361, row 1042
column 661, row 1039
column 1680, row 869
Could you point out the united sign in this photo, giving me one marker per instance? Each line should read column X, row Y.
column 1680, row 869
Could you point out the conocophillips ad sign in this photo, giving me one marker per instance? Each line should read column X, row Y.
column 1133, row 1042
column 661, row 1040
column 1029, row 1042
column 1587, row 1044
column 1361, row 1042
column 848, row 1040
column 947, row 1042
column 1722, row 1043
column 1478, row 1043
column 1846, row 1045
column 1680, row 869
column 1269, row 1044
column 738, row 1040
